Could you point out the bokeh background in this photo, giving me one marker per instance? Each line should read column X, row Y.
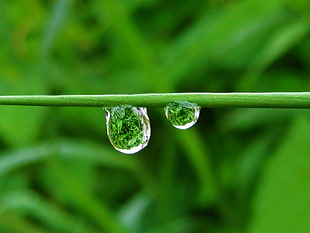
column 237, row 170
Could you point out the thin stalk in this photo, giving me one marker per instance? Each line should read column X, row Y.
column 241, row 100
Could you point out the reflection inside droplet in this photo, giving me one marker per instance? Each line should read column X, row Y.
column 182, row 114
column 128, row 128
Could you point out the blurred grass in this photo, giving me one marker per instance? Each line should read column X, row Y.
column 237, row 170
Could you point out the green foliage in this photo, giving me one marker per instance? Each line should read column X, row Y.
column 181, row 113
column 284, row 185
column 237, row 170
column 125, row 129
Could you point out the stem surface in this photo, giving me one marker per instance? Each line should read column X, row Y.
column 242, row 100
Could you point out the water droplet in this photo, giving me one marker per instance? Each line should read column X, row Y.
column 128, row 128
column 182, row 114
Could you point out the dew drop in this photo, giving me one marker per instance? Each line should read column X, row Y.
column 128, row 128
column 182, row 114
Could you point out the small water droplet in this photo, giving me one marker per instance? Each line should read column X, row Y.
column 182, row 114
column 128, row 128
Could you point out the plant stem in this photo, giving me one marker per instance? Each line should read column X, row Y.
column 242, row 100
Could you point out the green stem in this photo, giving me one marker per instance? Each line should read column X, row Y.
column 242, row 100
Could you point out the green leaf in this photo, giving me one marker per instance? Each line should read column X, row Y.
column 212, row 32
column 198, row 156
column 48, row 213
column 57, row 19
column 283, row 39
column 15, row 224
column 77, row 150
column 83, row 200
column 282, row 203
column 132, row 42
column 131, row 214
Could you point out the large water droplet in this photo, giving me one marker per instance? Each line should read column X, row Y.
column 128, row 128
column 182, row 114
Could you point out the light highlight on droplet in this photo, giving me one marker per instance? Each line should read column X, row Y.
column 182, row 114
column 128, row 128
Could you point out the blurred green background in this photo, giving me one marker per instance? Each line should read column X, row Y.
column 237, row 170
